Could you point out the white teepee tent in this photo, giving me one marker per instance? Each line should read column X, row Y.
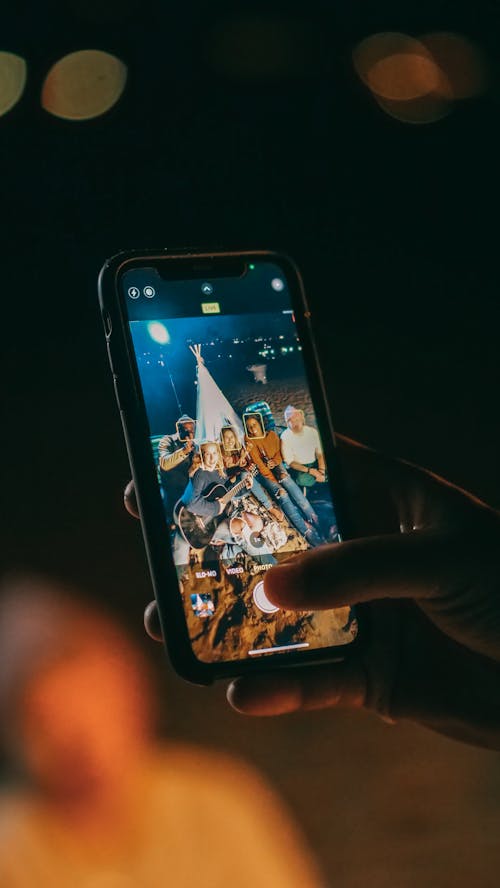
column 213, row 410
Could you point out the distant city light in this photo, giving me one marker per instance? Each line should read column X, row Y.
column 159, row 333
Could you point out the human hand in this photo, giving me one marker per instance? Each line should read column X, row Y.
column 188, row 446
column 317, row 474
column 427, row 565
column 248, row 482
column 272, row 463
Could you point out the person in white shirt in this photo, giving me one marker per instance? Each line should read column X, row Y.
column 301, row 449
column 97, row 798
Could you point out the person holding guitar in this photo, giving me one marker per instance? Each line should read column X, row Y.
column 206, row 497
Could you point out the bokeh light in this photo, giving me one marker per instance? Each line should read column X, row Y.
column 13, row 73
column 84, row 84
column 462, row 61
column 419, row 80
column 403, row 77
column 425, row 109
column 372, row 52
column 261, row 47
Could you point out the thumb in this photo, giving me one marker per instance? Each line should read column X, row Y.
column 393, row 566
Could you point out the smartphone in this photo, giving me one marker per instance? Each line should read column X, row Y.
column 231, row 448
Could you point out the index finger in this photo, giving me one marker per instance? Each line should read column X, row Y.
column 130, row 500
column 392, row 566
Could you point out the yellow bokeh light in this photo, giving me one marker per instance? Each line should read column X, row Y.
column 84, row 84
column 13, row 74
column 463, row 63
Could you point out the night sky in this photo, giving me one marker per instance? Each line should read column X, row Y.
column 168, row 372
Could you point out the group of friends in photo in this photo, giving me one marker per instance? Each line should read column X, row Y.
column 206, row 486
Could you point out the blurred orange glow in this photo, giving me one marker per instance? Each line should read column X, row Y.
column 463, row 63
column 425, row 109
column 377, row 48
column 403, row 77
column 261, row 47
column 103, row 802
column 83, row 85
column 417, row 81
column 398, row 67
column 85, row 717
column 13, row 71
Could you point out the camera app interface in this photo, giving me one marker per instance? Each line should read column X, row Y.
column 238, row 455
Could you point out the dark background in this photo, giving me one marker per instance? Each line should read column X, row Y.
column 395, row 228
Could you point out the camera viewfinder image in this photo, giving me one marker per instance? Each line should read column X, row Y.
column 242, row 476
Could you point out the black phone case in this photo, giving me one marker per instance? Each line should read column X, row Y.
column 136, row 431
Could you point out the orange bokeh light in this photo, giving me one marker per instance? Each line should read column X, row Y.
column 425, row 109
column 463, row 63
column 418, row 80
column 377, row 48
column 405, row 76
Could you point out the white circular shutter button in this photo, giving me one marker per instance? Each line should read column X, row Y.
column 262, row 601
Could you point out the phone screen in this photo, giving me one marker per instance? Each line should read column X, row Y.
column 237, row 451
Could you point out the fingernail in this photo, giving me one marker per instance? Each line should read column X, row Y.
column 283, row 585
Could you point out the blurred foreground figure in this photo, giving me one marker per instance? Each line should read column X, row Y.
column 101, row 803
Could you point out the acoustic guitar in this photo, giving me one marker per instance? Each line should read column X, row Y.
column 198, row 531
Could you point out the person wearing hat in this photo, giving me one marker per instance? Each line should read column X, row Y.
column 301, row 449
column 175, row 455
